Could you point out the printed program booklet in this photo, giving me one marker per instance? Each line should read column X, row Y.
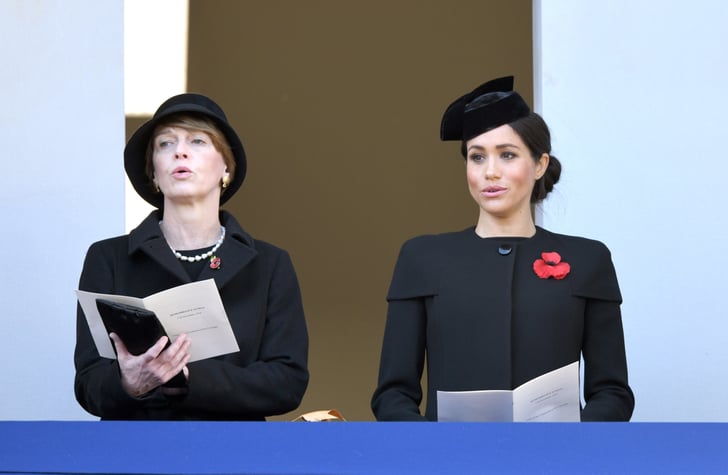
column 195, row 309
column 552, row 397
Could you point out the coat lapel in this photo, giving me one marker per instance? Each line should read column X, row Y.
column 148, row 238
column 236, row 252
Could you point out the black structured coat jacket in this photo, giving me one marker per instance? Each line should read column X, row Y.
column 260, row 292
column 476, row 311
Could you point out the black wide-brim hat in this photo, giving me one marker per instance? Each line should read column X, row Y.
column 189, row 103
column 486, row 107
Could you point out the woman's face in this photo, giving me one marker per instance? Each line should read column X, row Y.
column 187, row 166
column 501, row 172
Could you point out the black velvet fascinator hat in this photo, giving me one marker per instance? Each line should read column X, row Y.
column 136, row 148
column 486, row 107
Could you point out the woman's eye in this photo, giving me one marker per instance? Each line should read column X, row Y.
column 164, row 143
column 198, row 141
column 476, row 157
column 508, row 155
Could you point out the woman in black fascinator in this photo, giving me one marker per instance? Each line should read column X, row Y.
column 503, row 302
column 187, row 161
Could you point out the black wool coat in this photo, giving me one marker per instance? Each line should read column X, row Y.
column 474, row 309
column 260, row 293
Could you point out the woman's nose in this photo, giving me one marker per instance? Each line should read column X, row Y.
column 491, row 168
column 181, row 150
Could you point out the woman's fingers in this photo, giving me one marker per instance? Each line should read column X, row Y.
column 120, row 346
column 156, row 348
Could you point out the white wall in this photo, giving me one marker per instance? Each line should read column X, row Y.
column 62, row 133
column 635, row 94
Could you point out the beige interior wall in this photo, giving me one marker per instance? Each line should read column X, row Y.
column 338, row 104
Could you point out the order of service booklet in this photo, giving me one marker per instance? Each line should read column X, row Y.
column 551, row 397
column 195, row 309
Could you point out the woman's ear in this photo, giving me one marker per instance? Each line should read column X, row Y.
column 542, row 165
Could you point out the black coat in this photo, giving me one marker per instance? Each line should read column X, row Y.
column 484, row 320
column 260, row 292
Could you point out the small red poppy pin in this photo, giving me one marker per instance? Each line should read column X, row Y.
column 215, row 262
column 550, row 265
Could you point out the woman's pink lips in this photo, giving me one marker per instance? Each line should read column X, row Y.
column 492, row 191
column 181, row 171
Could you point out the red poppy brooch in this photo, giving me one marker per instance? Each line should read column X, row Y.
column 215, row 262
column 551, row 265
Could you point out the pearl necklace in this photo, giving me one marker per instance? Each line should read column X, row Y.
column 200, row 257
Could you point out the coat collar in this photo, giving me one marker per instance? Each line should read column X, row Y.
column 235, row 253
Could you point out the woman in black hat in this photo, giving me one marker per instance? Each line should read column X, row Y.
column 501, row 303
column 187, row 161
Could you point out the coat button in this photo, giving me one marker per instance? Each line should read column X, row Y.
column 505, row 249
